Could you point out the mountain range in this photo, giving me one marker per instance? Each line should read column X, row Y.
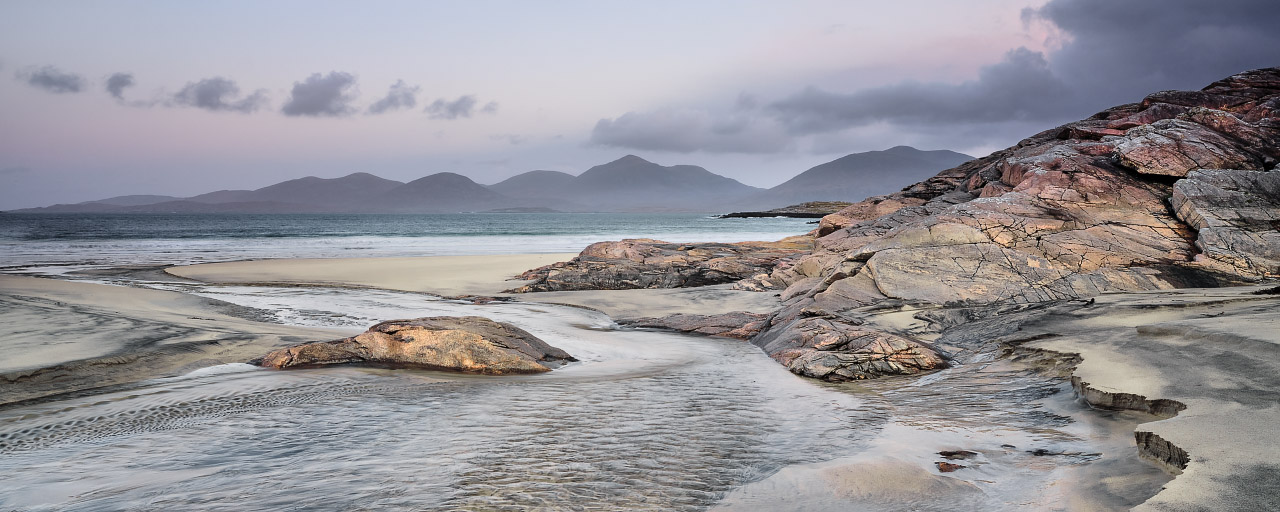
column 628, row 184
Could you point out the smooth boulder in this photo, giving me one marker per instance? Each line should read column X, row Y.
column 470, row 344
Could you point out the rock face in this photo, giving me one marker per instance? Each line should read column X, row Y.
column 836, row 350
column 469, row 344
column 647, row 263
column 1236, row 215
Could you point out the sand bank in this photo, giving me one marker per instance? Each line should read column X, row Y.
column 476, row 275
column 62, row 336
column 1216, row 351
column 439, row 275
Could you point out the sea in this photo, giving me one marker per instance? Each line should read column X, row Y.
column 645, row 420
column 50, row 243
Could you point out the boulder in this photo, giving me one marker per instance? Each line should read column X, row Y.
column 469, row 344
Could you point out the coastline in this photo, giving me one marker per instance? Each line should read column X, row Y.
column 480, row 276
column 189, row 332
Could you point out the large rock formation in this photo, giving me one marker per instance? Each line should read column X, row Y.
column 1178, row 190
column 1133, row 198
column 469, row 344
column 646, row 263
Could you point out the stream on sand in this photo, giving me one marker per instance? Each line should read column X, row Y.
column 647, row 420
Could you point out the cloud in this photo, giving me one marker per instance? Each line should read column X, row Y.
column 1099, row 53
column 1019, row 87
column 52, row 80
column 464, row 106
column 117, row 83
column 10, row 171
column 1120, row 51
column 689, row 130
column 1104, row 53
column 218, row 94
column 400, row 96
column 322, row 96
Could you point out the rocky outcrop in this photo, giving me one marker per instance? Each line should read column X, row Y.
column 739, row 324
column 836, row 350
column 1236, row 215
column 1129, row 199
column 469, row 344
column 809, row 210
column 646, row 263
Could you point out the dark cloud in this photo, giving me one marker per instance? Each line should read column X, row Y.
column 1111, row 53
column 322, row 96
column 219, row 95
column 1017, row 88
column 117, row 83
column 688, row 130
column 400, row 96
column 52, row 79
column 1102, row 53
column 464, row 106
column 1120, row 51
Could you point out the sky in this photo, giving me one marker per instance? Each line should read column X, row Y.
column 105, row 98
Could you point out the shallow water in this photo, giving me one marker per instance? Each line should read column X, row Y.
column 646, row 421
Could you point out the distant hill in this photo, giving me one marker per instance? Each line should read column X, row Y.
column 861, row 175
column 535, row 184
column 442, row 192
column 133, row 200
column 627, row 184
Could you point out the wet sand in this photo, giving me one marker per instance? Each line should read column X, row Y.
column 62, row 336
column 1216, row 351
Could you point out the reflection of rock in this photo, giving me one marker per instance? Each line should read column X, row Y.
column 645, row 263
column 470, row 344
column 947, row 467
column 738, row 324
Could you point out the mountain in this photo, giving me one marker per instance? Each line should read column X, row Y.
column 535, row 184
column 134, row 200
column 443, row 192
column 348, row 193
column 861, row 175
column 629, row 183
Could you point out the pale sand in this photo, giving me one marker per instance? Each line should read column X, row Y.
column 439, row 275
column 62, row 336
column 1215, row 350
column 476, row 275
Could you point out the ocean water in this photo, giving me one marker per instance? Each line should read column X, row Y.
column 78, row 240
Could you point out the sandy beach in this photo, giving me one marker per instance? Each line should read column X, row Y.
column 488, row 275
column 63, row 336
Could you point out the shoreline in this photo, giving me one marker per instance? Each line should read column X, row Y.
column 1100, row 334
